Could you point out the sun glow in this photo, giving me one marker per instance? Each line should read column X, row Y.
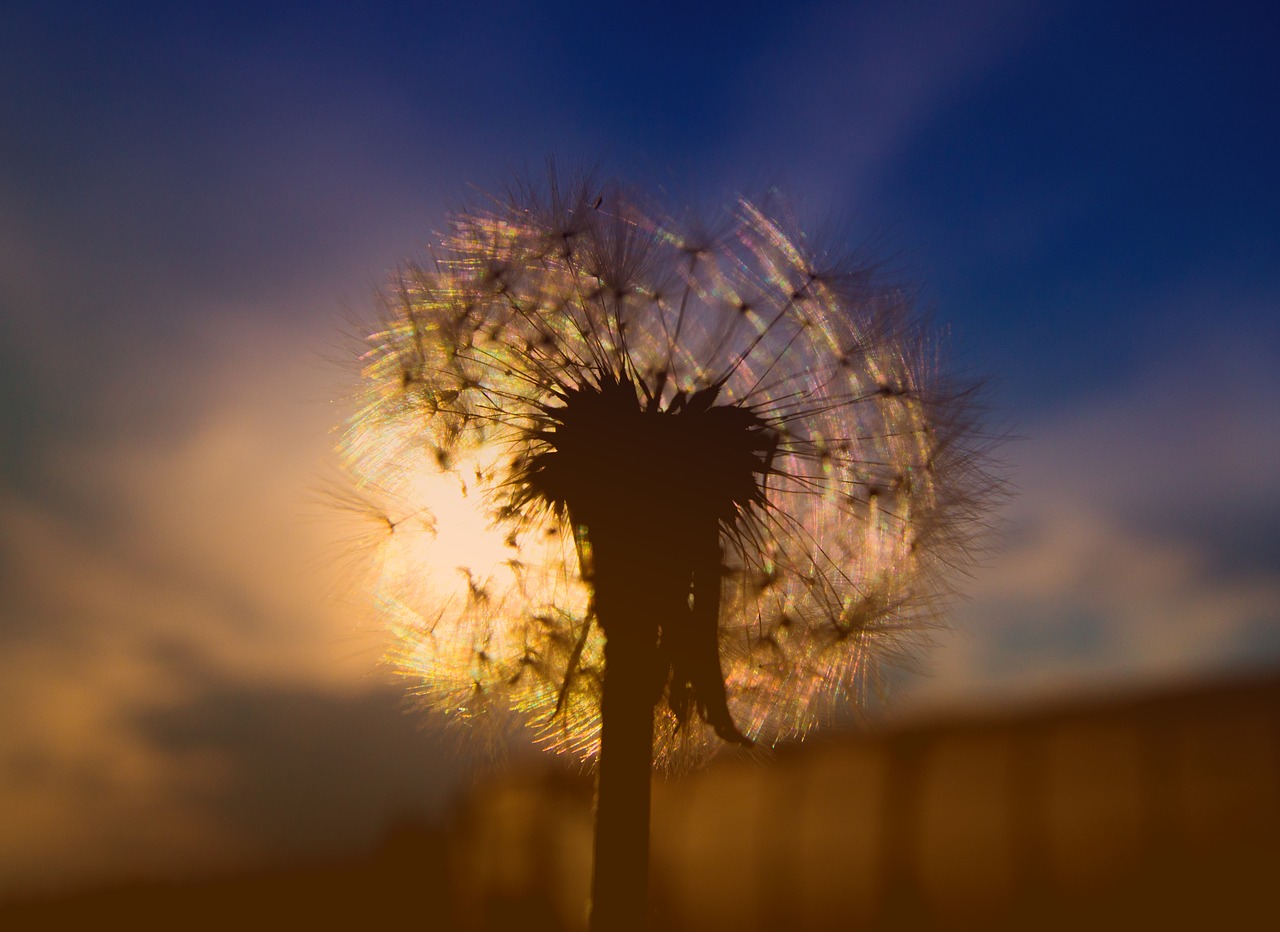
column 456, row 540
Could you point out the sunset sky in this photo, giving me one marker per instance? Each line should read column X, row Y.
column 197, row 206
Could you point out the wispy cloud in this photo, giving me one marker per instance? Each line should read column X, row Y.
column 172, row 567
column 1142, row 544
column 844, row 90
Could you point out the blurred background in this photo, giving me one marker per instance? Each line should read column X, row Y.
column 197, row 205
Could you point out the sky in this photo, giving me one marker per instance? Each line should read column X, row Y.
column 198, row 204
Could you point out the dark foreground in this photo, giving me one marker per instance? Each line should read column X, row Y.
column 1150, row 812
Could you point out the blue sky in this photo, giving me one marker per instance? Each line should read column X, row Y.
column 195, row 201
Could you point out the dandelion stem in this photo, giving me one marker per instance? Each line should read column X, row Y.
column 620, row 880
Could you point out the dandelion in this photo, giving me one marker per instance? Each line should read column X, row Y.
column 680, row 490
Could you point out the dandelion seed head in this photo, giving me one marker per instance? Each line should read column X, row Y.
column 575, row 390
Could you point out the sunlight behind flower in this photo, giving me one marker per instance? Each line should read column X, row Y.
column 453, row 533
column 443, row 561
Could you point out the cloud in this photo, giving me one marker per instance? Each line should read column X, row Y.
column 311, row 771
column 165, row 566
column 1141, row 545
column 844, row 90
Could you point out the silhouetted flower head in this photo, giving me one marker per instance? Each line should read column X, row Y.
column 577, row 412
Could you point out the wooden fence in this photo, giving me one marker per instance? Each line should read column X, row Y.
column 1160, row 812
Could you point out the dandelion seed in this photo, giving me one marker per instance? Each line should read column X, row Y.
column 745, row 454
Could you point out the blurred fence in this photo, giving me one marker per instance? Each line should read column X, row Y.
column 1155, row 813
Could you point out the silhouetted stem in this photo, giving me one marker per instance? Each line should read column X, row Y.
column 620, row 879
